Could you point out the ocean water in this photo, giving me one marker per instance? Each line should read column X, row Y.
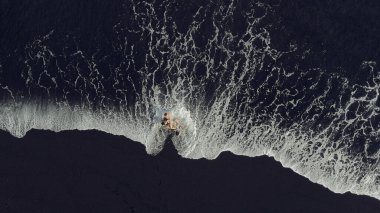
column 297, row 80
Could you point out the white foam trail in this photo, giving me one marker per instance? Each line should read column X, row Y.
column 19, row 119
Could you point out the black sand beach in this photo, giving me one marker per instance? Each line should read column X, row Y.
column 91, row 171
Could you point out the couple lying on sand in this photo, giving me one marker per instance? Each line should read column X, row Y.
column 170, row 123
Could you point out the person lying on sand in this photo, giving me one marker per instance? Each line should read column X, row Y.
column 170, row 123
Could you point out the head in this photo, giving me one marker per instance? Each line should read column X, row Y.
column 165, row 121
